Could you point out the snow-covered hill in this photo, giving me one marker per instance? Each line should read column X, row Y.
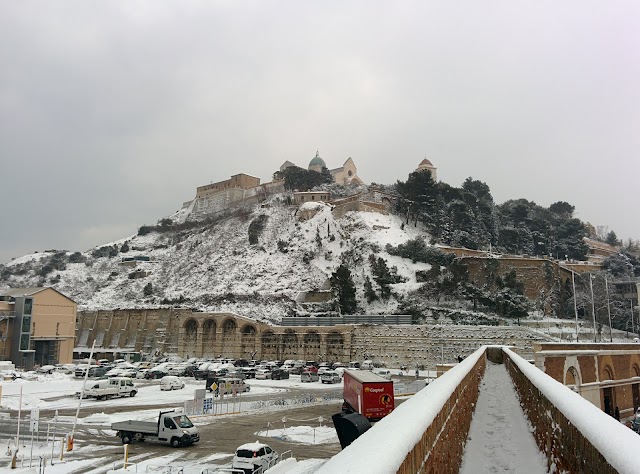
column 213, row 267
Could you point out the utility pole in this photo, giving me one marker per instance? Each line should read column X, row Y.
column 575, row 303
column 606, row 284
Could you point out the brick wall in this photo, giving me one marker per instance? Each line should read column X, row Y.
column 442, row 445
column 563, row 444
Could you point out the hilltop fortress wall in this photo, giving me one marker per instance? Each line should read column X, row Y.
column 195, row 334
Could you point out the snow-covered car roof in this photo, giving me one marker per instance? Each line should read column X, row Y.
column 253, row 446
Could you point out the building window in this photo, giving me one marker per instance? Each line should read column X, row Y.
column 26, row 324
column 313, row 198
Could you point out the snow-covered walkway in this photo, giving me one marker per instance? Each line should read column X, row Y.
column 500, row 439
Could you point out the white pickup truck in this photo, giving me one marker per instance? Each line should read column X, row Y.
column 173, row 427
column 110, row 388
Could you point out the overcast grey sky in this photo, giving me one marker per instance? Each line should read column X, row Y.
column 111, row 113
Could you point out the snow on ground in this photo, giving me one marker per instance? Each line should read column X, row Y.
column 500, row 438
column 57, row 391
column 302, row 434
column 216, row 269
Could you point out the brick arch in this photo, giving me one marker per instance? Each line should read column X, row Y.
column 209, row 328
column 608, row 373
column 190, row 327
column 572, row 377
column 229, row 327
column 229, row 347
column 635, row 370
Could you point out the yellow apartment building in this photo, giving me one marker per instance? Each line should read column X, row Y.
column 37, row 326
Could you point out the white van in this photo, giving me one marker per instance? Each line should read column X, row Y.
column 171, row 382
column 111, row 388
column 367, row 365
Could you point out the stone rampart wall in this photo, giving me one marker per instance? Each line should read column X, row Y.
column 195, row 334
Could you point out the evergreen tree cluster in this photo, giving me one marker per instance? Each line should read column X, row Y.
column 296, row 178
column 468, row 217
column 383, row 276
column 418, row 251
column 344, row 290
column 256, row 227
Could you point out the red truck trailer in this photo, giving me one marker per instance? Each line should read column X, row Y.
column 368, row 394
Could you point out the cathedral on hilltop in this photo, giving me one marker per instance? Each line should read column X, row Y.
column 346, row 174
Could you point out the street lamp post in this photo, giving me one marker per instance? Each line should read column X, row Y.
column 575, row 303
column 606, row 284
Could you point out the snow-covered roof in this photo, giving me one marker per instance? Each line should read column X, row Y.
column 312, row 205
column 252, row 446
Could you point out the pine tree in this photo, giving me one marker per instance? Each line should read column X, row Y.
column 344, row 290
column 369, row 292
column 612, row 238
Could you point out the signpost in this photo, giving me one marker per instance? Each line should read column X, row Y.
column 33, row 427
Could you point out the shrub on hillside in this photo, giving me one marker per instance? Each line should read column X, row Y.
column 256, row 227
column 418, row 251
column 77, row 257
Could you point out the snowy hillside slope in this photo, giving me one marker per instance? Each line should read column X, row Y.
column 212, row 267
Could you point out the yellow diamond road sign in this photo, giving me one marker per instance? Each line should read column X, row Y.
column 214, row 386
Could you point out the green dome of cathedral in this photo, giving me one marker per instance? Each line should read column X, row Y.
column 317, row 161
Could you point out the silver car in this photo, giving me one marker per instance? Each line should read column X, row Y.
column 330, row 377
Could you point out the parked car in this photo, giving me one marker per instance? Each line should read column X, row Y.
column 252, row 456
column 279, row 374
column 296, row 370
column 46, row 369
column 323, row 369
column 81, row 370
column 231, row 385
column 309, row 376
column 190, row 370
column 249, row 372
column 386, row 373
column 311, row 368
column 171, row 382
column 110, row 388
column 177, row 370
column 65, row 369
column 154, row 374
column 262, row 374
column 97, row 372
column 238, row 374
column 330, row 376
